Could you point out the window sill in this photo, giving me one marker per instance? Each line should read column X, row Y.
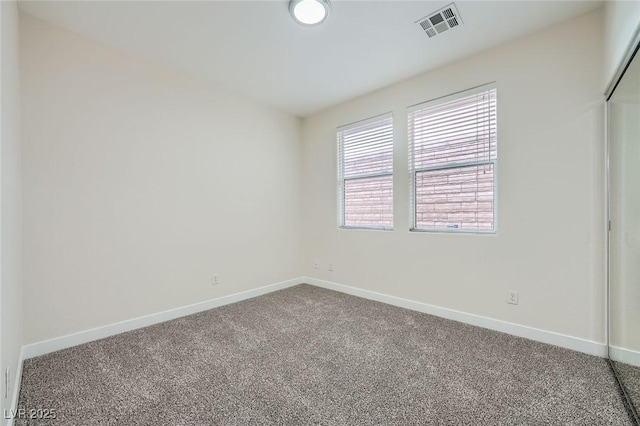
column 367, row 228
column 453, row 231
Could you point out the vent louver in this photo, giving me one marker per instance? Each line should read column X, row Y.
column 440, row 21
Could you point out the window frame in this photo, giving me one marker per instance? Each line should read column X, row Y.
column 413, row 172
column 342, row 179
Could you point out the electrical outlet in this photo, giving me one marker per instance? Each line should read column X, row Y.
column 214, row 280
column 331, row 267
column 7, row 381
column 512, row 297
column 316, row 264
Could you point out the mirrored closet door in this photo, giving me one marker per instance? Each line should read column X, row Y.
column 624, row 238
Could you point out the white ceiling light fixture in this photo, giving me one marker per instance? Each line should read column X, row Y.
column 309, row 12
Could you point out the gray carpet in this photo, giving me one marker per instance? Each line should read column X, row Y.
column 306, row 355
column 629, row 375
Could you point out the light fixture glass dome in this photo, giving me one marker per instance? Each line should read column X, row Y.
column 309, row 12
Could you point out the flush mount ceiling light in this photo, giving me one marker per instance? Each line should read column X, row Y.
column 309, row 12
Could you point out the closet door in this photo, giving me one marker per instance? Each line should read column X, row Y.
column 624, row 237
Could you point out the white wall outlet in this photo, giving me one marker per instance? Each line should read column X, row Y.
column 330, row 267
column 214, row 280
column 7, row 381
column 316, row 264
column 512, row 297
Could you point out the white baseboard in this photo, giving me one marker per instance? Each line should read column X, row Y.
column 550, row 337
column 544, row 336
column 623, row 355
column 17, row 381
column 86, row 336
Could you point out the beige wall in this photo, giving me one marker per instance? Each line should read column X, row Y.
column 621, row 22
column 11, row 202
column 140, row 184
column 550, row 240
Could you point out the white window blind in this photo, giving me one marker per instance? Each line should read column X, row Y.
column 453, row 158
column 365, row 173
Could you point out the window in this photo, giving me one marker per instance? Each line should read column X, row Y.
column 365, row 173
column 453, row 159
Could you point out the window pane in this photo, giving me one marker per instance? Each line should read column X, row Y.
column 365, row 173
column 458, row 131
column 373, row 159
column 368, row 202
column 456, row 198
column 368, row 148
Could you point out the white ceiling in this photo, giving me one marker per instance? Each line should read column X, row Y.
column 256, row 49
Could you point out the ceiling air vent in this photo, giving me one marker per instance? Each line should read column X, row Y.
column 444, row 19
